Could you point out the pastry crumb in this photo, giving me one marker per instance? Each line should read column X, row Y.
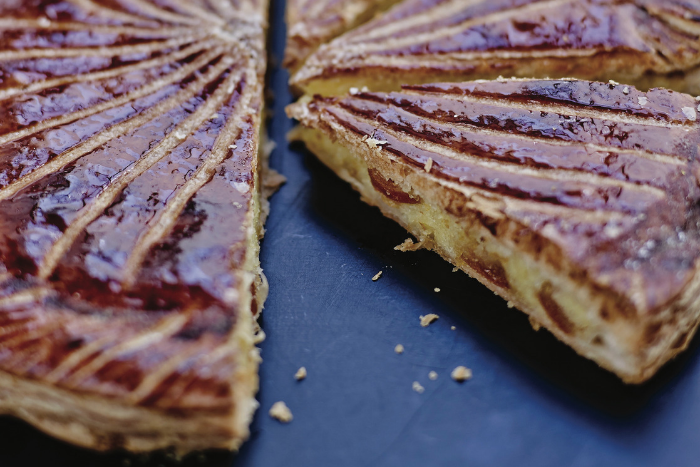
column 399, row 349
column 535, row 324
column 429, row 165
column 300, row 374
column 625, row 90
column 409, row 245
column 281, row 412
column 427, row 319
column 375, row 143
column 461, row 373
column 418, row 388
column 690, row 113
column 432, row 375
column 437, row 289
column 510, row 304
column 377, row 276
column 453, row 327
column 455, row 269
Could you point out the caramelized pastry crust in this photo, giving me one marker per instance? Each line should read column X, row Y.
column 129, row 219
column 645, row 43
column 575, row 200
column 311, row 23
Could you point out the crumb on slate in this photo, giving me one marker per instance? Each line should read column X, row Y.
column 281, row 412
column 437, row 289
column 377, row 276
column 398, row 349
column 418, row 388
column 432, row 375
column 300, row 374
column 453, row 327
column 461, row 373
column 427, row 319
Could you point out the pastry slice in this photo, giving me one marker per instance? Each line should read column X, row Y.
column 645, row 43
column 576, row 201
column 311, row 23
column 130, row 214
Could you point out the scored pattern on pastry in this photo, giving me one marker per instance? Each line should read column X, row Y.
column 589, row 163
column 314, row 22
column 577, row 201
column 128, row 166
column 482, row 39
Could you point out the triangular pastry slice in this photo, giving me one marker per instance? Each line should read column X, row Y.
column 576, row 201
column 646, row 43
column 311, row 23
column 130, row 215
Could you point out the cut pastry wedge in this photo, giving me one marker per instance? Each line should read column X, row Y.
column 646, row 43
column 576, row 201
column 130, row 217
column 311, row 23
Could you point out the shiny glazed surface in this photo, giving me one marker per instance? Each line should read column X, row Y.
column 128, row 167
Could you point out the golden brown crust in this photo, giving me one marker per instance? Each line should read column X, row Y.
column 311, row 23
column 640, row 42
column 129, row 211
column 596, row 184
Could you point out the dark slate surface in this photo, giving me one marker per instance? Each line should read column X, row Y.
column 532, row 401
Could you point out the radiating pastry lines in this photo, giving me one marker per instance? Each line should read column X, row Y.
column 173, row 57
column 446, row 10
column 188, row 7
column 109, row 13
column 164, row 370
column 139, row 100
column 562, row 110
column 544, row 174
column 80, row 355
column 166, row 327
column 465, row 127
column 136, row 31
column 432, row 40
column 223, row 8
column 163, row 223
column 103, row 137
column 476, row 130
column 117, row 184
column 151, row 10
column 112, row 51
column 25, row 296
column 445, row 32
column 119, row 129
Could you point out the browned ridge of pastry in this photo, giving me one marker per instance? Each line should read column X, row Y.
column 577, row 201
column 129, row 219
column 311, row 23
column 645, row 43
